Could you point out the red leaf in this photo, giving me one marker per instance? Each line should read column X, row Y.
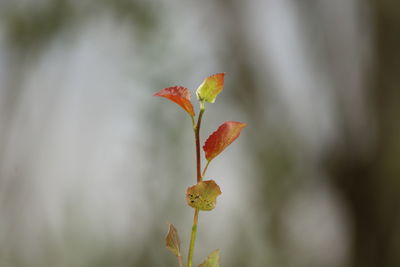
column 222, row 137
column 180, row 95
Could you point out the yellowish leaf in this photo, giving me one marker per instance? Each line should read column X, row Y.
column 211, row 87
column 203, row 195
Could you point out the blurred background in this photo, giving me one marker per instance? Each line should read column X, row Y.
column 92, row 167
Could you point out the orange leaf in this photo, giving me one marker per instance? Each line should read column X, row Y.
column 222, row 137
column 180, row 95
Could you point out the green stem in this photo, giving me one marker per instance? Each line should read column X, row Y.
column 193, row 237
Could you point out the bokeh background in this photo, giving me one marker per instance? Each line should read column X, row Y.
column 92, row 167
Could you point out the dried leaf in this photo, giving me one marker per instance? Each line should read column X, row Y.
column 180, row 95
column 212, row 260
column 211, row 87
column 172, row 241
column 221, row 138
column 203, row 195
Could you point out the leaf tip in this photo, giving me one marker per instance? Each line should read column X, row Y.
column 212, row 259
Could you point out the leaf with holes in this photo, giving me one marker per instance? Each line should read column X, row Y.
column 203, row 195
column 212, row 260
column 210, row 88
column 180, row 95
column 221, row 138
column 172, row 241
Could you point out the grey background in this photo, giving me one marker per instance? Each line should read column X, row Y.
column 92, row 167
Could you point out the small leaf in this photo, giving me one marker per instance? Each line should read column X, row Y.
column 211, row 87
column 212, row 260
column 203, row 195
column 221, row 138
column 180, row 95
column 172, row 241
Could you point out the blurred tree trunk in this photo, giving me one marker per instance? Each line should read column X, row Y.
column 370, row 182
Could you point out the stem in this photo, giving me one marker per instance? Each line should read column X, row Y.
column 205, row 168
column 197, row 137
column 199, row 179
column 193, row 237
